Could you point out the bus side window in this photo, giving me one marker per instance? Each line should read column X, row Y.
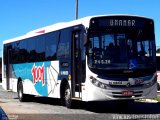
column 63, row 46
column 40, row 48
column 51, row 45
column 31, row 50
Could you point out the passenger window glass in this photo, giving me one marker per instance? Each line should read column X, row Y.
column 40, row 48
column 22, row 52
column 51, row 45
column 31, row 50
column 63, row 47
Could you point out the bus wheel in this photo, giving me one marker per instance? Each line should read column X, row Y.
column 21, row 95
column 67, row 96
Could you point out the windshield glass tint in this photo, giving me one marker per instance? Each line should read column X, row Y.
column 120, row 50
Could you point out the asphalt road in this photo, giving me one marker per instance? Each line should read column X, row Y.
column 41, row 108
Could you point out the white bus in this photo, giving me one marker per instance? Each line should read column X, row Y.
column 96, row 58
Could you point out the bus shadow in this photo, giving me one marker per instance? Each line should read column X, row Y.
column 132, row 108
column 105, row 107
column 44, row 100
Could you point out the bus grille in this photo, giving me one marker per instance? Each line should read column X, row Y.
column 124, row 86
column 120, row 95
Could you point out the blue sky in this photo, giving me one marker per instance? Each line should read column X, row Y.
column 18, row 17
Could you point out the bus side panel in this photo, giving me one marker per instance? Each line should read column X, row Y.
column 53, row 81
column 4, row 82
column 12, row 80
column 40, row 78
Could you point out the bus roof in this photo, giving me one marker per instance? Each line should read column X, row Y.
column 84, row 21
column 47, row 29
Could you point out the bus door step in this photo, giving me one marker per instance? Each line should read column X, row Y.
column 76, row 98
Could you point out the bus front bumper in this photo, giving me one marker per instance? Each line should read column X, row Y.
column 97, row 94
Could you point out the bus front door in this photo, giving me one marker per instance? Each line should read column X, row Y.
column 76, row 66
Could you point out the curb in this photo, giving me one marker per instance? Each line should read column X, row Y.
column 148, row 100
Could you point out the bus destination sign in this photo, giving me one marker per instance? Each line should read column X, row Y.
column 127, row 23
column 118, row 22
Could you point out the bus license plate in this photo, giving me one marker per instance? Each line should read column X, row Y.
column 127, row 93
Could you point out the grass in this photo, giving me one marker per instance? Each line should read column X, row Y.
column 157, row 98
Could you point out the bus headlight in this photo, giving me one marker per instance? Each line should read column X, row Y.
column 98, row 83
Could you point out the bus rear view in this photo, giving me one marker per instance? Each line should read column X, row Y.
column 121, row 58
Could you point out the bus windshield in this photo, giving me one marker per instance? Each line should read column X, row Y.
column 121, row 49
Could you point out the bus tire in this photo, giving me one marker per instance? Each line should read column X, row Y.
column 67, row 96
column 21, row 95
